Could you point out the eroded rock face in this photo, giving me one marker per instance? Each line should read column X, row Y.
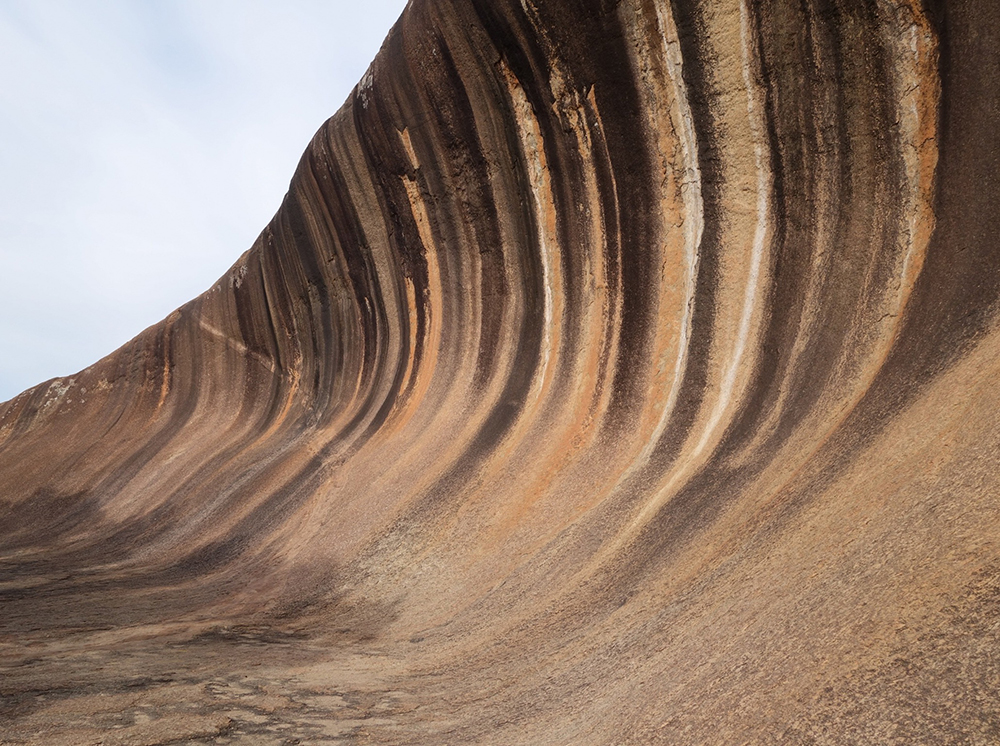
column 611, row 373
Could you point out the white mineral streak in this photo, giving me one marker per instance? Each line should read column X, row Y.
column 693, row 225
column 543, row 208
column 751, row 297
column 735, row 371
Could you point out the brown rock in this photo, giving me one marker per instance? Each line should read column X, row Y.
column 613, row 372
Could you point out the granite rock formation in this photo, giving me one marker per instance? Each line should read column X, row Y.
column 614, row 371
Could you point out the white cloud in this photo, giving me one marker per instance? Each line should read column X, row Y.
column 143, row 146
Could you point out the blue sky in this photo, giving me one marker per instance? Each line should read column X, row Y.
column 143, row 146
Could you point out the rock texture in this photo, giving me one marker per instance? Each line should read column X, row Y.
column 613, row 372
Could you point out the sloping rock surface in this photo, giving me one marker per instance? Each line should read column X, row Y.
column 613, row 372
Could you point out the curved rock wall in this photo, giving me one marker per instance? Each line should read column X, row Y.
column 613, row 372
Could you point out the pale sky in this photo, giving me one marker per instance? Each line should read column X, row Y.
column 144, row 144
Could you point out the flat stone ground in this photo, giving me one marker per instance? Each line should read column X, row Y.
column 222, row 685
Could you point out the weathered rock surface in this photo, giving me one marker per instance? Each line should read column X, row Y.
column 613, row 372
